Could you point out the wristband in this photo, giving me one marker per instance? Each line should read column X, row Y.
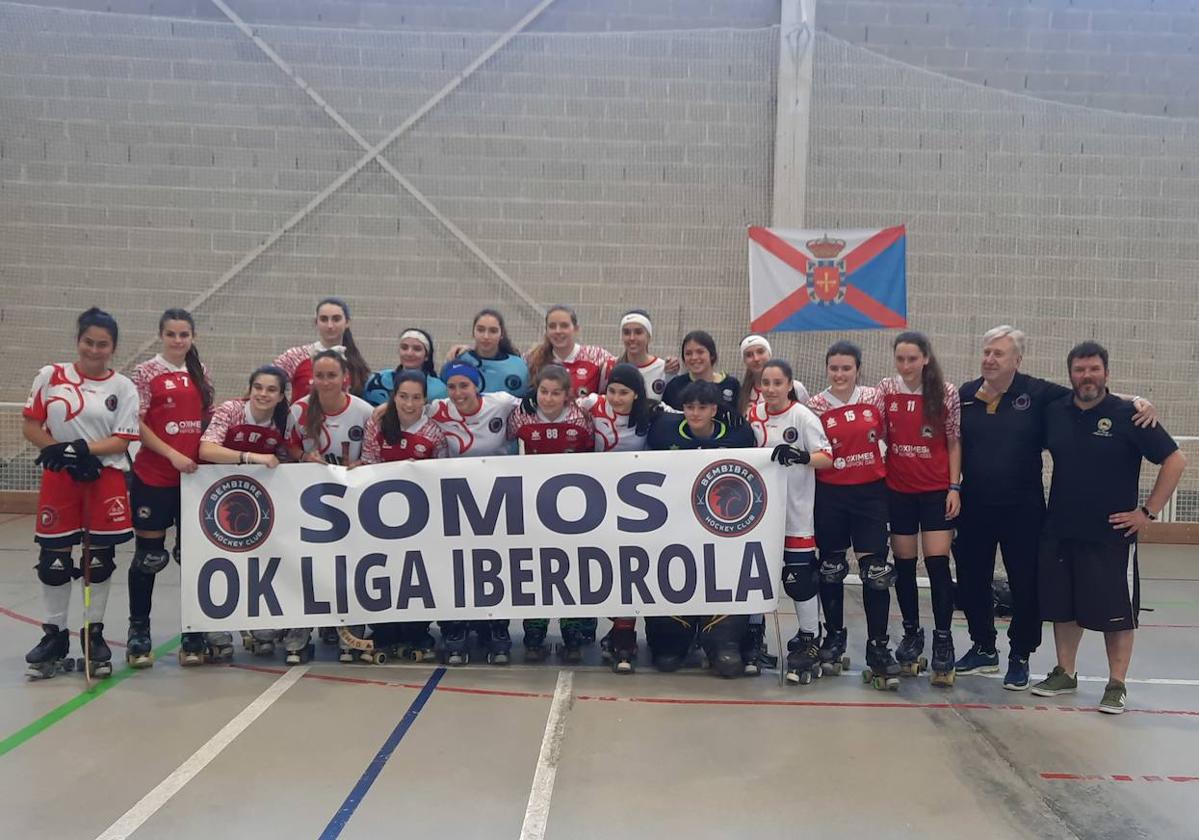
column 1149, row 515
column 957, row 488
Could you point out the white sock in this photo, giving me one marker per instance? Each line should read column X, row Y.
column 808, row 614
column 57, row 600
column 95, row 612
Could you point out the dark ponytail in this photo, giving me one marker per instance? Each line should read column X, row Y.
column 315, row 416
column 354, row 361
column 505, row 344
column 787, row 372
column 195, row 369
column 96, row 317
column 932, row 382
column 279, row 416
column 389, row 423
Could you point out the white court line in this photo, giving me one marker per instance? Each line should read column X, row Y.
column 538, row 810
column 148, row 805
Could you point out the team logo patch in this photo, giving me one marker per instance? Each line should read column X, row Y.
column 926, row 431
column 172, row 428
column 729, row 498
column 728, row 395
column 495, row 425
column 47, row 517
column 143, row 512
column 659, row 386
column 355, row 433
column 872, row 436
column 1022, row 402
column 1104, row 427
column 790, row 434
column 111, row 402
column 116, row 508
column 512, row 382
column 237, row 513
column 839, row 464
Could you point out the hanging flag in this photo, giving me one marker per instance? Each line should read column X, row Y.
column 827, row 280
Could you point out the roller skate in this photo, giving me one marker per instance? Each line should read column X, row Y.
column 99, row 655
column 499, row 645
column 725, row 660
column 329, row 636
column 882, row 671
column 534, row 644
column 299, row 647
column 803, row 659
column 832, row 652
column 572, row 645
column 943, row 660
column 192, row 650
column 49, row 656
column 422, row 649
column 218, row 647
column 346, row 652
column 908, row 651
column 753, row 650
column 138, row 647
column 259, row 642
column 456, row 644
column 619, row 648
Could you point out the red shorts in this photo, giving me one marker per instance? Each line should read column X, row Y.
column 60, row 504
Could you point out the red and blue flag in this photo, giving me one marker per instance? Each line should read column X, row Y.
column 827, row 280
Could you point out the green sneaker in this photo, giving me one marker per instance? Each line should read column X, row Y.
column 1113, row 698
column 1057, row 682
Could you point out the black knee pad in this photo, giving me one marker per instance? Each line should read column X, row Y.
column 102, row 564
column 149, row 561
column 878, row 572
column 55, row 568
column 800, row 580
column 833, row 566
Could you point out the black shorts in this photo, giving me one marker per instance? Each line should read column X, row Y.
column 1089, row 583
column 846, row 514
column 912, row 513
column 154, row 508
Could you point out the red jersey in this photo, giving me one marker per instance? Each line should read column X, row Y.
column 297, row 364
column 423, row 439
column 918, row 452
column 587, row 364
column 172, row 407
column 234, row 427
column 571, row 432
column 855, row 429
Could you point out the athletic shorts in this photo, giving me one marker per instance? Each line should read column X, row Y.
column 60, row 510
column 154, row 508
column 915, row 512
column 856, row 514
column 1090, row 583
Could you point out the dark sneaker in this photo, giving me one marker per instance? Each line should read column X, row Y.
column 1057, row 682
column 1016, row 678
column 978, row 661
column 1114, row 697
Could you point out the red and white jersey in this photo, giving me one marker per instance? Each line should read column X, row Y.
column 171, row 405
column 797, row 426
column 418, row 442
column 234, row 427
column 297, row 364
column 71, row 406
column 480, row 434
column 654, row 374
column 801, row 393
column 917, row 453
column 613, row 432
column 570, row 432
column 855, row 430
column 347, row 426
column 588, row 365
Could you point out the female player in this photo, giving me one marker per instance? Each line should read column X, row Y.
column 174, row 399
column 252, row 430
column 558, row 425
column 699, row 357
column 474, row 423
column 851, row 508
column 333, row 327
column 756, row 352
column 586, row 362
column 81, row 415
column 924, row 459
column 782, row 422
column 416, row 353
column 327, row 428
column 636, row 333
column 493, row 354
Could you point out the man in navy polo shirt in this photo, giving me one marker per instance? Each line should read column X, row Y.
column 1093, row 520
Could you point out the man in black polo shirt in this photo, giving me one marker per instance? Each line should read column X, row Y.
column 1003, row 500
column 1093, row 521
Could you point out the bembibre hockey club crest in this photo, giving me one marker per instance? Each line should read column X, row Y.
column 237, row 514
column 729, row 498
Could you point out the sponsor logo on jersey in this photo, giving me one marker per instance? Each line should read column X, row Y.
column 572, row 433
column 1022, row 402
column 236, row 513
column 111, row 402
column 355, row 433
column 729, row 498
column 839, row 464
column 494, row 425
column 1103, row 428
column 790, row 434
column 868, row 414
column 172, row 428
column 512, row 382
column 168, row 384
column 116, row 508
column 728, row 395
column 421, row 449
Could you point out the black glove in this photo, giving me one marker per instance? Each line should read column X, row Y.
column 333, row 460
column 528, row 403
column 53, row 457
column 787, row 455
column 88, row 469
column 730, row 417
column 651, row 413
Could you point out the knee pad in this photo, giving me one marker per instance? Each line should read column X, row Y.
column 149, row 561
column 833, row 566
column 800, row 580
column 878, row 572
column 102, row 564
column 55, row 568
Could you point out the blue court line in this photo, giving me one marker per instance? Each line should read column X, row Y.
column 338, row 823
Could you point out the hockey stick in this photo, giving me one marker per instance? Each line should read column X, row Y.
column 86, row 560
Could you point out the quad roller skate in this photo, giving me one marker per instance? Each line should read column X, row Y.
column 99, row 659
column 832, row 652
column 329, row 636
column 619, row 649
column 943, row 672
column 882, row 671
column 803, row 659
column 192, row 650
column 457, row 645
column 572, row 645
column 49, row 657
column 218, row 647
column 299, row 647
column 908, row 653
column 139, row 651
column 423, row 649
column 259, row 642
column 753, row 650
column 534, row 644
column 499, row 645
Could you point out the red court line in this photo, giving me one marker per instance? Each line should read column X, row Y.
column 1115, row 777
column 36, row 623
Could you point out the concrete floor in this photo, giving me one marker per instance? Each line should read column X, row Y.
column 649, row 755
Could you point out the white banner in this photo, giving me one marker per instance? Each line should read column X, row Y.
column 552, row 536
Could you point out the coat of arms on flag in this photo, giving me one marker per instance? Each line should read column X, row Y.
column 827, row 280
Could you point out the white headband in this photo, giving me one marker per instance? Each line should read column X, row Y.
column 419, row 336
column 753, row 340
column 637, row 318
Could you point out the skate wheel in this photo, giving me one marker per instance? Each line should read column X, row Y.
column 380, row 658
column 844, row 663
column 68, row 664
column 867, row 676
column 893, row 683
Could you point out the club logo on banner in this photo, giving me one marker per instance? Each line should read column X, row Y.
column 837, row 280
column 649, row 533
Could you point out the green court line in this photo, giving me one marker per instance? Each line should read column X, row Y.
column 77, row 702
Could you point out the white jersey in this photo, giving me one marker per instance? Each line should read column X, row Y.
column 480, row 434
column 797, row 426
column 613, row 432
column 344, row 429
column 71, row 406
column 653, row 373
